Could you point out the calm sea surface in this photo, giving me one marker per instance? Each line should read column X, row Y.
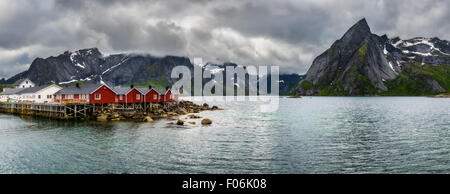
column 307, row 135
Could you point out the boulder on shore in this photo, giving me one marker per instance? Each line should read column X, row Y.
column 102, row 117
column 148, row 119
column 442, row 96
column 180, row 122
column 192, row 116
column 206, row 122
column 172, row 114
column 115, row 115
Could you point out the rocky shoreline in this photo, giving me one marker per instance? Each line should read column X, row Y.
column 442, row 96
column 158, row 111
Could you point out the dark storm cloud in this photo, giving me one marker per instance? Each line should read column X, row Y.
column 289, row 33
column 282, row 20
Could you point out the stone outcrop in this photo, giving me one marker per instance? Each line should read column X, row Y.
column 206, row 122
column 148, row 119
column 180, row 122
column 156, row 111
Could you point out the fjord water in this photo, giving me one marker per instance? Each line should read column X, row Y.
column 306, row 135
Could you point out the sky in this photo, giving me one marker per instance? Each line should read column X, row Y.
column 288, row 33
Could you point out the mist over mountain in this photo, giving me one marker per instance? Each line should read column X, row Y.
column 91, row 66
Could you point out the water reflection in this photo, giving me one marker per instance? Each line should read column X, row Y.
column 307, row 135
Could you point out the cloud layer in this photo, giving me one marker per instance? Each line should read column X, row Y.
column 289, row 33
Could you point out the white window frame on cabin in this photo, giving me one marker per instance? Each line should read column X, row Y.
column 155, row 96
column 98, row 96
column 120, row 97
column 138, row 96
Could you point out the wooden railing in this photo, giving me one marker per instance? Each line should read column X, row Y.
column 72, row 101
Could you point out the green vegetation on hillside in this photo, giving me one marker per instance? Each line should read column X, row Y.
column 160, row 83
column 306, row 85
column 362, row 52
column 415, row 80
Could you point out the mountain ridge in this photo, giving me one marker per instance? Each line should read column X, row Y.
column 91, row 66
column 361, row 63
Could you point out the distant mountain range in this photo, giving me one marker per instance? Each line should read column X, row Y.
column 362, row 63
column 91, row 66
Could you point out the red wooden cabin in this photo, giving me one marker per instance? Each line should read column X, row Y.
column 151, row 95
column 169, row 97
column 92, row 93
column 166, row 95
column 128, row 95
column 103, row 95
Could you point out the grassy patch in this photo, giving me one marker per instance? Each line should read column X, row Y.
column 160, row 83
column 413, row 81
column 362, row 52
column 306, row 85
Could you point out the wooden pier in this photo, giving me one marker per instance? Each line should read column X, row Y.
column 51, row 110
column 72, row 111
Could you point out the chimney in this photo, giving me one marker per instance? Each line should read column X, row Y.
column 77, row 85
column 167, row 88
column 131, row 86
column 149, row 86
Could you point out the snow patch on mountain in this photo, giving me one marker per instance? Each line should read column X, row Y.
column 111, row 68
column 405, row 46
column 384, row 50
column 68, row 82
column 74, row 61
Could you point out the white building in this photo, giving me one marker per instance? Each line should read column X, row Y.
column 23, row 83
column 39, row 94
column 11, row 95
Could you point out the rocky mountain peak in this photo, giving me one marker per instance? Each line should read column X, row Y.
column 362, row 63
column 357, row 33
column 90, row 51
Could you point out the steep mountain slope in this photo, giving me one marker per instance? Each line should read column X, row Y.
column 362, row 63
column 90, row 66
column 288, row 82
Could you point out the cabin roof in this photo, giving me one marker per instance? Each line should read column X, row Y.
column 33, row 89
column 86, row 89
column 161, row 91
column 122, row 91
column 12, row 91
column 144, row 90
